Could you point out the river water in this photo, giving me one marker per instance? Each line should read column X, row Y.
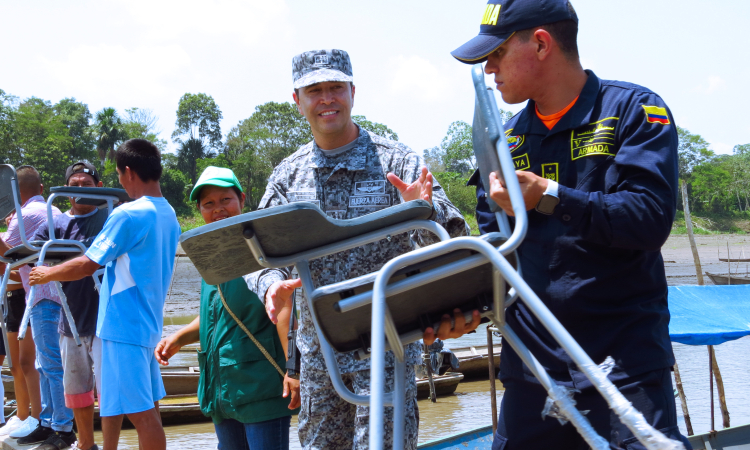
column 470, row 406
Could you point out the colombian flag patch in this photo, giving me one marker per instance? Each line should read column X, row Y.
column 656, row 114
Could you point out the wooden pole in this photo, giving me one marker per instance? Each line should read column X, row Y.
column 428, row 362
column 720, row 387
column 493, row 391
column 729, row 265
column 683, row 399
column 711, row 383
column 691, row 238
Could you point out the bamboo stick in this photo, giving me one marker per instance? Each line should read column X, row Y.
column 683, row 399
column 691, row 238
column 720, row 387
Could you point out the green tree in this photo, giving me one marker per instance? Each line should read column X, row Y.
column 42, row 139
column 109, row 131
column 259, row 143
column 140, row 123
column 434, row 158
column 197, row 131
column 458, row 147
column 188, row 155
column 743, row 149
column 9, row 152
column 198, row 117
column 174, row 185
column 692, row 151
column 77, row 118
column 374, row 127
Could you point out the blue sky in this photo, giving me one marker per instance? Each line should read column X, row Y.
column 147, row 53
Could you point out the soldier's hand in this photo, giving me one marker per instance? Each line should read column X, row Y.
column 291, row 386
column 279, row 295
column 456, row 330
column 38, row 275
column 532, row 188
column 421, row 189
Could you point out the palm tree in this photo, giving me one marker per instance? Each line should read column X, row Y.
column 190, row 151
column 109, row 130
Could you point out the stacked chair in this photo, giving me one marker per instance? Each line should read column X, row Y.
column 390, row 308
column 51, row 252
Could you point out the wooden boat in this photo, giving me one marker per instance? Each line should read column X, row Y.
column 734, row 438
column 734, row 259
column 722, row 279
column 476, row 439
column 183, row 381
column 444, row 385
column 174, row 411
column 473, row 361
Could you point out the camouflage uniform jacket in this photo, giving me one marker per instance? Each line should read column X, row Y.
column 346, row 186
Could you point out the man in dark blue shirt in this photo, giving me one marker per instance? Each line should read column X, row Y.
column 597, row 163
column 81, row 223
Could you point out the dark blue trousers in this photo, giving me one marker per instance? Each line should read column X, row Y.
column 521, row 426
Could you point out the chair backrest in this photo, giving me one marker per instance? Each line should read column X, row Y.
column 8, row 203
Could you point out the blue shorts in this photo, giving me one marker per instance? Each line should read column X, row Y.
column 131, row 379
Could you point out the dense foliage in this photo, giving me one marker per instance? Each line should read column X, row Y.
column 52, row 136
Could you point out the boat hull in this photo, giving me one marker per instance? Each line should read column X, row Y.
column 721, row 279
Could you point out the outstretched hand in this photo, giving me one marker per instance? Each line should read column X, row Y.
column 421, row 189
column 278, row 296
column 165, row 349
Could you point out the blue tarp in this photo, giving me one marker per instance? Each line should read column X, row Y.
column 708, row 315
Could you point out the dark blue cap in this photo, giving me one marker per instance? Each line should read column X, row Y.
column 502, row 18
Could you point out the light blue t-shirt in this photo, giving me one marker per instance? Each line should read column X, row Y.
column 138, row 245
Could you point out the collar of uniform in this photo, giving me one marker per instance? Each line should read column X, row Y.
column 579, row 114
column 354, row 159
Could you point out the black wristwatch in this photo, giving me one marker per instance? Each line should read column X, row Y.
column 547, row 204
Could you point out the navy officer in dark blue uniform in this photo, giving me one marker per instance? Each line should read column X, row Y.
column 597, row 163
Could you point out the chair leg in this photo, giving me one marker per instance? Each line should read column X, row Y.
column 68, row 314
column 26, row 314
column 3, row 292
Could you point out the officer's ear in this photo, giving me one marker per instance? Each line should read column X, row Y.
column 543, row 43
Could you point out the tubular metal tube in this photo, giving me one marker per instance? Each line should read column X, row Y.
column 68, row 314
column 3, row 292
column 399, row 404
column 357, row 241
column 566, row 406
column 26, row 314
column 303, row 269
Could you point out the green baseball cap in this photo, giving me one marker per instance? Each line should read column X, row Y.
column 215, row 176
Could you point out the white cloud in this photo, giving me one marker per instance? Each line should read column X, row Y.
column 115, row 72
column 416, row 76
column 249, row 20
column 722, row 148
column 715, row 83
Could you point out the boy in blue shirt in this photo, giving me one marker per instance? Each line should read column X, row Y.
column 138, row 242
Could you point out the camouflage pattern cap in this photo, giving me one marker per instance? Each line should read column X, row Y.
column 317, row 66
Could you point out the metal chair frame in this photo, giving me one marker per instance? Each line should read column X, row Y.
column 494, row 157
column 40, row 255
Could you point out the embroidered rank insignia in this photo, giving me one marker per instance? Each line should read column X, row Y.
column 656, row 114
column 551, row 171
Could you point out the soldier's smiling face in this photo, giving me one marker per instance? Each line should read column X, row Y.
column 327, row 106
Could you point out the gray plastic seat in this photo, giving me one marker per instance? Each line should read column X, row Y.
column 220, row 252
column 56, row 253
column 75, row 192
column 414, row 309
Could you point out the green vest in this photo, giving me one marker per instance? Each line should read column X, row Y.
column 236, row 380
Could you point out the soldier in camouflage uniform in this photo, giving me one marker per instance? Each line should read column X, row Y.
column 348, row 172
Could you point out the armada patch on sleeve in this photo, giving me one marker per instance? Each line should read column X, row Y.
column 656, row 114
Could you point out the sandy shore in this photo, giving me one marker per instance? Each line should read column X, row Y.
column 678, row 258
